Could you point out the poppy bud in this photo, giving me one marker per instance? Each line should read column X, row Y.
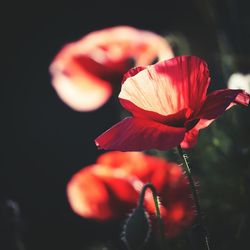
column 137, row 229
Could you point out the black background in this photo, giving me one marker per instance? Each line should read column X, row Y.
column 44, row 142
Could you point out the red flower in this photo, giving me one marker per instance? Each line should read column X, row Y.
column 83, row 71
column 169, row 105
column 110, row 189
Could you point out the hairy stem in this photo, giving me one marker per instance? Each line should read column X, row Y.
column 195, row 196
column 157, row 209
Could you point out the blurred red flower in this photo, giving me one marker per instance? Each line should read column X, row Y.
column 169, row 105
column 110, row 189
column 83, row 71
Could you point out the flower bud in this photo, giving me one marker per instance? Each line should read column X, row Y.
column 137, row 229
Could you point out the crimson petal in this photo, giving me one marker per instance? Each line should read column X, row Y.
column 190, row 138
column 176, row 120
column 132, row 134
column 219, row 101
column 215, row 105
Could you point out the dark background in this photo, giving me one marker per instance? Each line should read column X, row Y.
column 44, row 142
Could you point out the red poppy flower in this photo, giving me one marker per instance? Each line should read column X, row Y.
column 83, row 71
column 110, row 189
column 169, row 104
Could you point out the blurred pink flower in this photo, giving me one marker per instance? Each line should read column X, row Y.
column 169, row 104
column 83, row 71
column 110, row 189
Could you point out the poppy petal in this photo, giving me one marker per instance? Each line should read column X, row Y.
column 176, row 120
column 132, row 72
column 190, row 139
column 215, row 105
column 191, row 136
column 132, row 134
column 101, row 191
column 168, row 86
column 128, row 163
column 95, row 192
column 88, row 200
column 117, row 43
column 77, row 87
column 83, row 70
column 219, row 101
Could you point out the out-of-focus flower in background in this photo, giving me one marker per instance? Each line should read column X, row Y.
column 84, row 71
column 110, row 189
column 169, row 104
column 239, row 81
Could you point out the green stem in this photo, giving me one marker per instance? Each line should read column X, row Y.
column 195, row 196
column 157, row 208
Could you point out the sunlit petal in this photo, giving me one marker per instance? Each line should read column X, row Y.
column 88, row 196
column 83, row 71
column 82, row 91
column 168, row 86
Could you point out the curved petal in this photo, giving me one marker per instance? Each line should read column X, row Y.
column 191, row 136
column 76, row 85
column 168, row 86
column 87, row 195
column 119, row 43
column 132, row 134
column 176, row 120
column 190, row 139
column 95, row 192
column 219, row 101
column 215, row 105
column 132, row 72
